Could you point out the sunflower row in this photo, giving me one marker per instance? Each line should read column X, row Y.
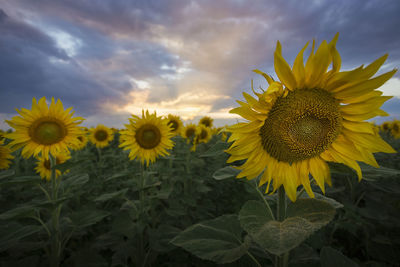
column 391, row 127
column 51, row 130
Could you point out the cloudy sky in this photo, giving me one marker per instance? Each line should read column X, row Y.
column 109, row 59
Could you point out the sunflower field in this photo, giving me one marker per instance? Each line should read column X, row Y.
column 320, row 184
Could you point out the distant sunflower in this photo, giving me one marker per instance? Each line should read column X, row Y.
column 189, row 132
column 5, row 156
column 44, row 169
column 101, row 136
column 310, row 116
column 147, row 138
column 175, row 123
column 395, row 129
column 203, row 134
column 82, row 141
column 385, row 126
column 44, row 129
column 206, row 121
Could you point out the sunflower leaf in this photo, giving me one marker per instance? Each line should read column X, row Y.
column 304, row 217
column 225, row 173
column 218, row 240
column 331, row 257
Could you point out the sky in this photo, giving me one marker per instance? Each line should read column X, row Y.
column 109, row 59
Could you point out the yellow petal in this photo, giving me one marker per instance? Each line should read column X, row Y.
column 283, row 70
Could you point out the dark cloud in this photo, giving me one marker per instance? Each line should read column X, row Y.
column 220, row 42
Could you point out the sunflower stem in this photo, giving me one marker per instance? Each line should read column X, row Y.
column 188, row 180
column 55, row 238
column 254, row 259
column 281, row 260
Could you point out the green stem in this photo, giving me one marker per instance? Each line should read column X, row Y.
column 282, row 260
column 188, row 180
column 55, row 233
column 254, row 259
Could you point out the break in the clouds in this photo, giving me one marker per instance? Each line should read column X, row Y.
column 108, row 59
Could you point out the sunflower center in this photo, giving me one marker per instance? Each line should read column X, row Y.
column 190, row 132
column 206, row 122
column 80, row 138
column 148, row 136
column 203, row 134
column 100, row 135
column 174, row 125
column 301, row 125
column 385, row 127
column 395, row 128
column 47, row 131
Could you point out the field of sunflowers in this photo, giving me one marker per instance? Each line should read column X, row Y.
column 320, row 184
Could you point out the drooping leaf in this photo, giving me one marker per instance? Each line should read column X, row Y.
column 87, row 216
column 218, row 240
column 225, row 173
column 108, row 196
column 11, row 236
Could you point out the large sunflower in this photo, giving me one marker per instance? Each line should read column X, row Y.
column 309, row 117
column 5, row 156
column 176, row 124
column 147, row 137
column 44, row 129
column 44, row 169
column 206, row 121
column 101, row 136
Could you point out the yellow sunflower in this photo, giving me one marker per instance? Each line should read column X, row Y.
column 395, row 129
column 385, row 126
column 101, row 136
column 189, row 132
column 203, row 134
column 206, row 121
column 147, row 137
column 44, row 129
column 44, row 169
column 5, row 156
column 309, row 117
column 82, row 141
column 176, row 124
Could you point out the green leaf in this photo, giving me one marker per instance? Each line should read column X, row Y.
column 109, row 196
column 161, row 237
column 332, row 258
column 218, row 240
column 87, row 217
column 331, row 201
column 6, row 173
column 22, row 180
column 216, row 150
column 225, row 173
column 373, row 174
column 20, row 212
column 15, row 233
column 77, row 180
column 317, row 212
column 303, row 218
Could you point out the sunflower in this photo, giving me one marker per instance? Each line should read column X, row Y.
column 101, row 136
column 176, row 124
column 385, row 126
column 44, row 129
column 5, row 156
column 44, row 169
column 147, row 137
column 206, row 121
column 309, row 117
column 203, row 134
column 82, row 141
column 189, row 132
column 395, row 129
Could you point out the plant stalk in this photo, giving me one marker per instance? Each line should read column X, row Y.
column 282, row 260
column 55, row 214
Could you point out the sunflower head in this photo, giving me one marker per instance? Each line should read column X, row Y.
column 101, row 136
column 312, row 115
column 82, row 141
column 147, row 137
column 395, row 129
column 44, row 129
column 385, row 126
column 203, row 134
column 43, row 166
column 175, row 124
column 206, row 121
column 189, row 132
column 5, row 156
